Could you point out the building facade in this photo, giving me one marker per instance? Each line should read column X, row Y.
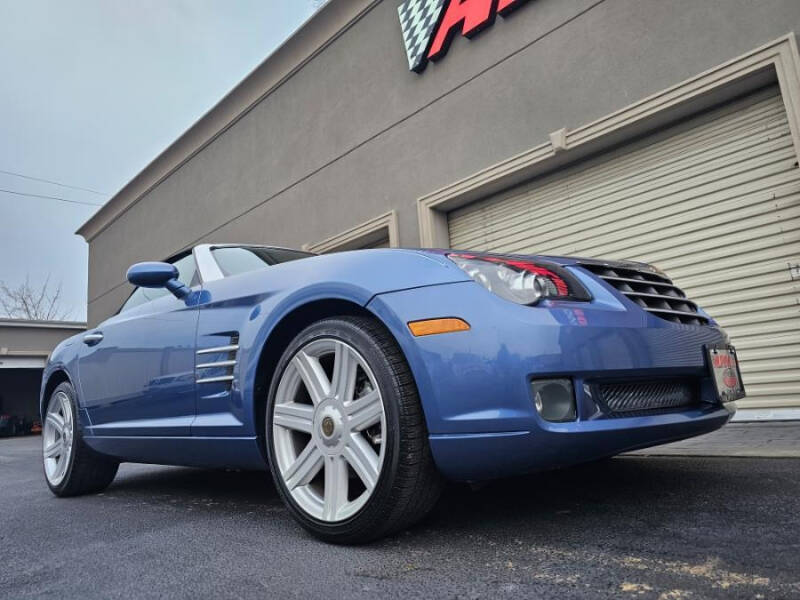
column 24, row 348
column 661, row 131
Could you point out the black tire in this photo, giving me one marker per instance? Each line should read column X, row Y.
column 87, row 472
column 409, row 484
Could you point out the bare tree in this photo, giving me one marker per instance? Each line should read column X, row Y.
column 26, row 301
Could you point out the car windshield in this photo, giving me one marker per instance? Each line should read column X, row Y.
column 234, row 260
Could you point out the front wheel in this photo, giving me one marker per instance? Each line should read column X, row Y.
column 70, row 466
column 346, row 436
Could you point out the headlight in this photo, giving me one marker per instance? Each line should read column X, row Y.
column 520, row 281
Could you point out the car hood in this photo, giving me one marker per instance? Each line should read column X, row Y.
column 559, row 260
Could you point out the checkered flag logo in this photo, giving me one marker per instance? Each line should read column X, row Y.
column 419, row 18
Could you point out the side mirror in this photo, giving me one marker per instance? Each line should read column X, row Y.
column 157, row 275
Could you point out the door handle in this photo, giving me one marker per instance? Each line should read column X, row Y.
column 91, row 339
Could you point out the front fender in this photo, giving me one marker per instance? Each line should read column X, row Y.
column 62, row 359
column 256, row 319
column 254, row 304
column 267, row 315
column 396, row 315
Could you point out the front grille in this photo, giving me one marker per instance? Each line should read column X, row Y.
column 630, row 398
column 653, row 292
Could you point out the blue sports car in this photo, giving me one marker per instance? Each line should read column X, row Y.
column 363, row 380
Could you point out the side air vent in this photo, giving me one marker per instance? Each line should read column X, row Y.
column 216, row 364
column 653, row 292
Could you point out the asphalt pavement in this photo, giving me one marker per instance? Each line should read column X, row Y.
column 776, row 439
column 642, row 527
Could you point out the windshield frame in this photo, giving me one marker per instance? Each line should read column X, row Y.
column 210, row 269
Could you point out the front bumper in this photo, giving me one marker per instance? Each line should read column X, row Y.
column 475, row 385
column 482, row 456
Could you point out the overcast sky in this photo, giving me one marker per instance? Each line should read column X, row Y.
column 91, row 91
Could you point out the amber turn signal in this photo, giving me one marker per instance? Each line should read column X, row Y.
column 434, row 326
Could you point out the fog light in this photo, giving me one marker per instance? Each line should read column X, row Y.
column 554, row 399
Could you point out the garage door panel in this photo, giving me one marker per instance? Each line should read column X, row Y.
column 780, row 330
column 576, row 223
column 769, row 400
column 701, row 222
column 747, row 144
column 748, row 241
column 587, row 230
column 699, row 144
column 612, row 238
column 758, row 304
column 729, row 182
column 763, row 317
column 725, row 256
column 551, row 189
column 716, row 294
column 783, row 366
column 781, row 380
column 785, row 293
column 762, row 116
column 636, row 190
column 715, row 201
column 694, row 236
column 766, row 345
column 773, row 249
column 670, row 180
column 768, row 352
column 719, row 281
column 683, row 181
column 781, row 389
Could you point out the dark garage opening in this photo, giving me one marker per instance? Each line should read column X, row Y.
column 19, row 400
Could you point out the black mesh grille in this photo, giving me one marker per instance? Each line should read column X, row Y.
column 653, row 292
column 641, row 397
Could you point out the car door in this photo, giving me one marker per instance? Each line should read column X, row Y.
column 136, row 370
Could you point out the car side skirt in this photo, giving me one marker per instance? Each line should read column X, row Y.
column 206, row 452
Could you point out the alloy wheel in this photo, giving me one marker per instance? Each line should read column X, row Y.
column 328, row 429
column 57, row 438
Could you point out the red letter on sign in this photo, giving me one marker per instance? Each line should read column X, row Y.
column 470, row 15
column 506, row 6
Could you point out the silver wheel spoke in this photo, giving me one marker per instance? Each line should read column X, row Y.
column 366, row 411
column 295, row 416
column 345, row 365
column 313, row 376
column 305, row 467
column 336, row 486
column 56, row 421
column 54, row 449
column 363, row 459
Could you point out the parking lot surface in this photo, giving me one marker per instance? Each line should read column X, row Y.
column 631, row 527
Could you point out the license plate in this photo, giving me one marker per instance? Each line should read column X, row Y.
column 725, row 372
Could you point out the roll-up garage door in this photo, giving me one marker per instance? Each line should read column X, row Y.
column 714, row 201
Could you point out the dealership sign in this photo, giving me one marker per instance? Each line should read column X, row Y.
column 430, row 25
